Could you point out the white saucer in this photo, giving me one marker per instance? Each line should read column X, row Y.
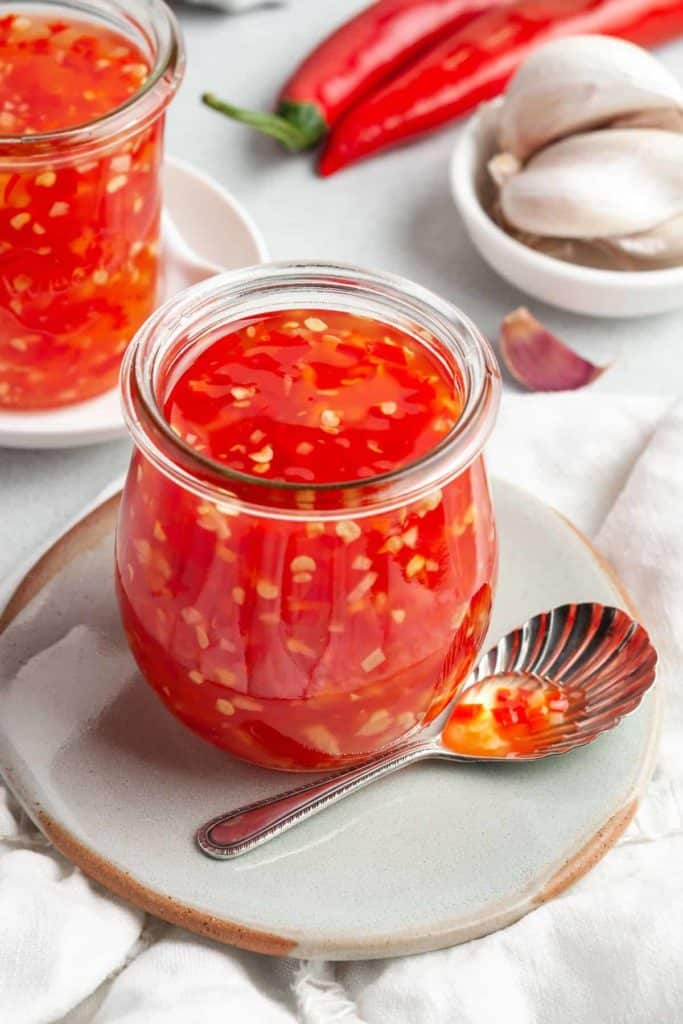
column 432, row 856
column 221, row 232
column 603, row 293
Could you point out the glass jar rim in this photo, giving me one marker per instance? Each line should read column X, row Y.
column 168, row 67
column 223, row 299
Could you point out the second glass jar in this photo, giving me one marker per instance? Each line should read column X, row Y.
column 81, row 202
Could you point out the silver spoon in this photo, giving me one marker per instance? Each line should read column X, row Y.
column 599, row 661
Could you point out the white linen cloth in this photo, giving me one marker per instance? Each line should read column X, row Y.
column 607, row 950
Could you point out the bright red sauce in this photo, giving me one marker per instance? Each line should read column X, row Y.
column 503, row 720
column 306, row 643
column 78, row 234
column 314, row 396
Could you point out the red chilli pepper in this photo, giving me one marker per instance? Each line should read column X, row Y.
column 474, row 63
column 351, row 62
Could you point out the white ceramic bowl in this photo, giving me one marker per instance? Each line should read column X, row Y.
column 607, row 293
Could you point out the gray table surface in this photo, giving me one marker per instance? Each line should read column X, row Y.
column 393, row 213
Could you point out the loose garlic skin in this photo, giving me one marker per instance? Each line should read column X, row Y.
column 572, row 85
column 597, row 185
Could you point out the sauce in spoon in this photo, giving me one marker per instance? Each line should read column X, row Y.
column 503, row 716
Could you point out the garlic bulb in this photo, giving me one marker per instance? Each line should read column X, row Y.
column 596, row 185
column 572, row 85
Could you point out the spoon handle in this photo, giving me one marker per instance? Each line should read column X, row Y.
column 231, row 835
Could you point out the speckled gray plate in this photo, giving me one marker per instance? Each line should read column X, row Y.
column 433, row 856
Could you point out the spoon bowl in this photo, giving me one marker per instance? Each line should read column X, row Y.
column 548, row 687
column 598, row 657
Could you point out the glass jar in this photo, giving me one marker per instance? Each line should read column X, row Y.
column 80, row 210
column 304, row 626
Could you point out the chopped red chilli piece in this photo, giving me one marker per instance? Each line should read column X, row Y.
column 465, row 712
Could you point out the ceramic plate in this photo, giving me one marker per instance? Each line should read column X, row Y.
column 429, row 857
column 220, row 231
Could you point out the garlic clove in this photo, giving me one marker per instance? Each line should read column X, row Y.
column 667, row 119
column 597, row 185
column 657, row 249
column 660, row 247
column 572, row 85
column 538, row 359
